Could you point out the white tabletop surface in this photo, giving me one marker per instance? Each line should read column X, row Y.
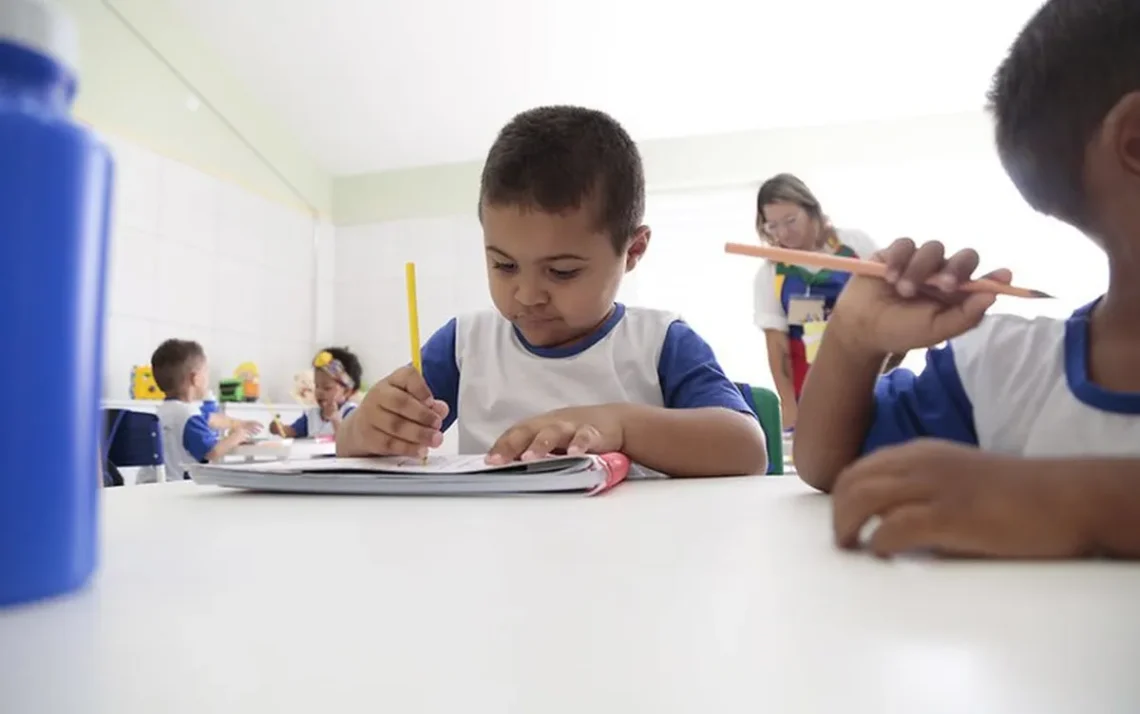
column 722, row 596
column 285, row 448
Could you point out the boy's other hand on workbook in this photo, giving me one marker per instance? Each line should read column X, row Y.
column 932, row 495
column 574, row 430
column 905, row 311
column 398, row 417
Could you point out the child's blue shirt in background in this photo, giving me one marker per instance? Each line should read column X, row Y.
column 186, row 436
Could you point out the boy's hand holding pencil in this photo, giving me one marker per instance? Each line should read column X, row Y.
column 906, row 297
column 398, row 417
column 918, row 302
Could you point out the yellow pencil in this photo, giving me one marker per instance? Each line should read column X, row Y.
column 413, row 316
column 413, row 319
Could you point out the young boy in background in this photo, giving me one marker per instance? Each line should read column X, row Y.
column 1021, row 438
column 336, row 377
column 559, row 366
column 189, row 434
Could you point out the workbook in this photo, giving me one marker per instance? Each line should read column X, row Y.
column 438, row 475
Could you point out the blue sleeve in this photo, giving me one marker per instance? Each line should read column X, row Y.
column 198, row 438
column 931, row 404
column 440, row 370
column 301, row 426
column 209, row 407
column 691, row 377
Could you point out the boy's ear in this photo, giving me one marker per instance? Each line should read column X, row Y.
column 1124, row 120
column 637, row 247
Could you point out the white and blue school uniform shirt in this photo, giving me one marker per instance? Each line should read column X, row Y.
column 311, row 424
column 491, row 378
column 186, row 436
column 1014, row 386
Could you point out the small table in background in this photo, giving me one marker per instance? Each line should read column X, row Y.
column 279, row 449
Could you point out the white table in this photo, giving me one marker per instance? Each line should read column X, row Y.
column 723, row 596
column 284, row 449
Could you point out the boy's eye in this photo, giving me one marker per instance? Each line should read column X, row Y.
column 564, row 274
column 504, row 267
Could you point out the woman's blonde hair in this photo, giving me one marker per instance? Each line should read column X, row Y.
column 788, row 188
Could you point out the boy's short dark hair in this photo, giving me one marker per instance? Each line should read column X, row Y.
column 558, row 158
column 1070, row 65
column 173, row 361
column 349, row 361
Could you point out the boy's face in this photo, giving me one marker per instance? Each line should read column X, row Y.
column 554, row 276
column 330, row 394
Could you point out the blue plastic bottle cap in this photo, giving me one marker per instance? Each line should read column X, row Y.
column 41, row 26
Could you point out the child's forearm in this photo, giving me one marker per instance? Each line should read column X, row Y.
column 226, row 445
column 1107, row 497
column 711, row 441
column 835, row 409
column 218, row 420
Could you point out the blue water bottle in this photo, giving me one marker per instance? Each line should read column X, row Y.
column 55, row 187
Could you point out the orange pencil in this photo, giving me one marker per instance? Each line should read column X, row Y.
column 867, row 268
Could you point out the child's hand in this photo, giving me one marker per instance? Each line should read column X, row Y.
column 956, row 500
column 328, row 408
column 904, row 312
column 398, row 417
column 575, row 430
column 242, row 430
column 251, row 428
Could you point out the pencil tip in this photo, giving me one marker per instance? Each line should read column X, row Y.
column 1042, row 294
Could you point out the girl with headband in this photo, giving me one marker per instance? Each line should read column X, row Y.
column 336, row 377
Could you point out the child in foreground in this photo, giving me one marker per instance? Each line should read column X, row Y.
column 189, row 432
column 559, row 366
column 336, row 377
column 1021, row 438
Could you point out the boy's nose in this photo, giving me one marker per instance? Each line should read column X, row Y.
column 530, row 295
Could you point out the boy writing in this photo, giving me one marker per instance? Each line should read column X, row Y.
column 1021, row 438
column 558, row 365
column 188, row 432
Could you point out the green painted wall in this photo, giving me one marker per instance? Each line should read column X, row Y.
column 125, row 90
column 680, row 164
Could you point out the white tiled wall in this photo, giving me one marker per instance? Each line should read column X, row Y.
column 199, row 258
column 371, row 307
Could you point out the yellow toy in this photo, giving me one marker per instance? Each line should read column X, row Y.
column 143, row 385
column 250, row 378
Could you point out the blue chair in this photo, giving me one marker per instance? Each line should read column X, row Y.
column 766, row 405
column 131, row 439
